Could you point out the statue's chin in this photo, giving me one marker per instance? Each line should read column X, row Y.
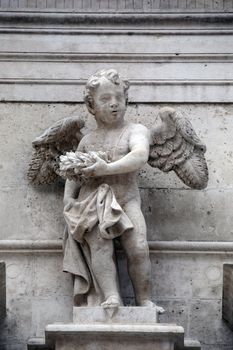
column 112, row 119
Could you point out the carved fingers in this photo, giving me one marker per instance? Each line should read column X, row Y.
column 99, row 168
column 68, row 203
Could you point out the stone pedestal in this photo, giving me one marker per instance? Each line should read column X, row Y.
column 122, row 315
column 128, row 328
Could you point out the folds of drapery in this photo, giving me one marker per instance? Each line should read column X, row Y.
column 101, row 214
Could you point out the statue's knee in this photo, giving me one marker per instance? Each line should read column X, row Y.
column 139, row 253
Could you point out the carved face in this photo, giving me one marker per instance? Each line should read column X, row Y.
column 109, row 102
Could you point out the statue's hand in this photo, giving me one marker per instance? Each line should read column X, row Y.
column 99, row 168
column 68, row 203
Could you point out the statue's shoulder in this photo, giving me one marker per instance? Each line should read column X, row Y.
column 138, row 128
column 86, row 140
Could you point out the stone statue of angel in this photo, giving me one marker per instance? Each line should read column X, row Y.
column 101, row 197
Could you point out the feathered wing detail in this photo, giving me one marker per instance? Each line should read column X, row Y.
column 193, row 172
column 40, row 169
column 60, row 138
column 176, row 146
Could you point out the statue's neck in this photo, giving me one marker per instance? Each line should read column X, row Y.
column 113, row 126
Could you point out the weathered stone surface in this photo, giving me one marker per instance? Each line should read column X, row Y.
column 38, row 293
column 149, row 70
column 188, row 276
column 2, row 290
column 176, row 311
column 122, row 315
column 214, row 332
column 113, row 44
column 201, row 219
column 48, row 310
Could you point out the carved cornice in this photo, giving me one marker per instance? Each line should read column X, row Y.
column 50, row 22
column 142, row 91
column 64, row 57
column 217, row 30
column 118, row 5
column 158, row 247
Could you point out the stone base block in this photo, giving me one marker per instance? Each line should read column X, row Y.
column 121, row 315
column 114, row 336
column 190, row 344
column 36, row 344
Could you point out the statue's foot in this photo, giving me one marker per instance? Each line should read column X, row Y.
column 111, row 302
column 149, row 303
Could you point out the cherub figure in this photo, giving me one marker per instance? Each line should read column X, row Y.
column 101, row 198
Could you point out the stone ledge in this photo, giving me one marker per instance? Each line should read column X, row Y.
column 113, row 57
column 63, row 91
column 55, row 246
column 39, row 344
column 164, row 336
column 214, row 30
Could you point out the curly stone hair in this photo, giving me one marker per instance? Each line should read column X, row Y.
column 94, row 81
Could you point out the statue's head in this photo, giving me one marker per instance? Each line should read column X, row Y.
column 106, row 95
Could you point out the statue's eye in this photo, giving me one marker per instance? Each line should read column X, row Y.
column 119, row 97
column 104, row 98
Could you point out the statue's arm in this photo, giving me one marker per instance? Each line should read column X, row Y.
column 138, row 155
column 71, row 186
column 70, row 192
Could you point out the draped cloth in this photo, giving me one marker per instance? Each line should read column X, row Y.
column 101, row 214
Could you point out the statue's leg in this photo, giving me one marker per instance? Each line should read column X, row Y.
column 134, row 243
column 103, row 268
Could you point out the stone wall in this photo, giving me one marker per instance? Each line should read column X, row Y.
column 187, row 64
column 187, row 278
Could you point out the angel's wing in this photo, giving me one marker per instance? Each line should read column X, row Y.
column 61, row 137
column 175, row 146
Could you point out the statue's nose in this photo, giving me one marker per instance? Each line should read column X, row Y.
column 113, row 104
